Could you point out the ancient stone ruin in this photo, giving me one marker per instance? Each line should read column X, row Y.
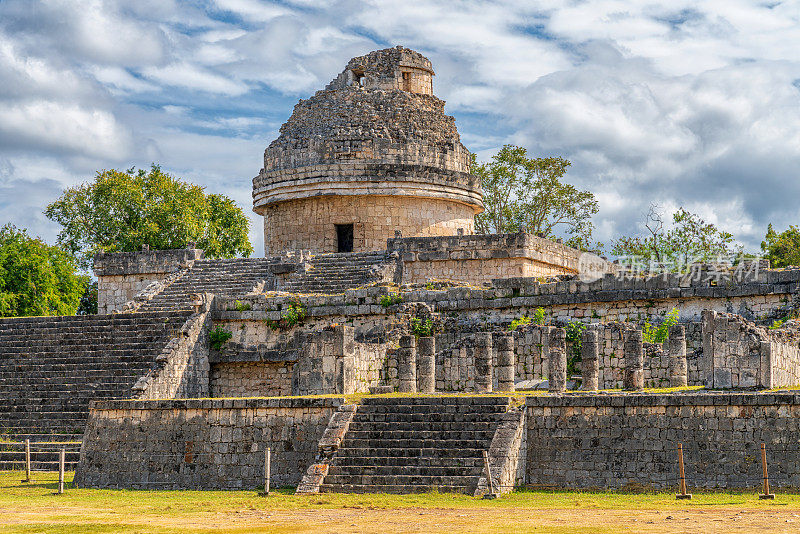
column 374, row 282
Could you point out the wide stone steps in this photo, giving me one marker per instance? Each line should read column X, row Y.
column 412, row 444
column 334, row 273
column 49, row 375
column 392, row 488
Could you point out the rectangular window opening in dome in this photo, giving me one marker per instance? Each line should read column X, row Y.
column 344, row 238
column 406, row 81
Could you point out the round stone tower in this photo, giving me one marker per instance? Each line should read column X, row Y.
column 371, row 155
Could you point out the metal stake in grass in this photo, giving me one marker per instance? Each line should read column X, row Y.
column 61, row 454
column 27, row 460
column 489, row 483
column 267, row 462
column 682, row 494
column 766, row 494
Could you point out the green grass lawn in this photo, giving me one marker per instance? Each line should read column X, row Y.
column 33, row 507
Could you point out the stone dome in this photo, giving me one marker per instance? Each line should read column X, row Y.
column 374, row 144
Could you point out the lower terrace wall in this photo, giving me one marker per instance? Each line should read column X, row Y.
column 200, row 444
column 617, row 441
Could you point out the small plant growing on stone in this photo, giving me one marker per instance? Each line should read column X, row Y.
column 242, row 306
column 521, row 321
column 652, row 334
column 422, row 327
column 217, row 337
column 574, row 333
column 293, row 314
column 537, row 319
column 390, row 299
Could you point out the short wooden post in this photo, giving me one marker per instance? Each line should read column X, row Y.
column 61, row 454
column 27, row 460
column 682, row 494
column 267, row 469
column 766, row 494
column 489, row 483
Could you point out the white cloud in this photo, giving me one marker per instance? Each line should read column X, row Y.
column 678, row 103
column 252, row 10
column 194, row 77
column 64, row 127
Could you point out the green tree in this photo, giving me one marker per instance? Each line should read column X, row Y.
column 528, row 194
column 37, row 278
column 121, row 211
column 688, row 239
column 782, row 249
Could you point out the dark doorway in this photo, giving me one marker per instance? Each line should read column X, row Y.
column 344, row 238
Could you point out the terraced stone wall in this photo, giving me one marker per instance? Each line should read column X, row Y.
column 613, row 441
column 200, row 444
column 484, row 257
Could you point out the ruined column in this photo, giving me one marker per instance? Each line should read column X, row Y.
column 590, row 356
column 482, row 352
column 557, row 362
column 426, row 365
column 407, row 364
column 676, row 348
column 634, row 361
column 505, row 361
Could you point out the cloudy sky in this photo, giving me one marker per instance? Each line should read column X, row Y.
column 681, row 103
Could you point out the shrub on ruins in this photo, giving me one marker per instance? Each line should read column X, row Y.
column 537, row 319
column 37, row 278
column 522, row 194
column 218, row 337
column 782, row 250
column 688, row 239
column 660, row 333
column 121, row 211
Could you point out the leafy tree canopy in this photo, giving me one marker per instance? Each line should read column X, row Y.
column 782, row 249
column 37, row 278
column 528, row 194
column 688, row 239
column 121, row 211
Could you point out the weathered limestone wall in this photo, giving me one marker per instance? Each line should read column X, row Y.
column 309, row 224
column 251, row 379
column 391, row 69
column 614, row 441
column 324, row 361
column 484, row 257
column 121, row 275
column 773, row 293
column 455, row 363
column 181, row 369
column 739, row 354
column 200, row 444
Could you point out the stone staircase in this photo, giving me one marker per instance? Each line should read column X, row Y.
column 51, row 367
column 334, row 273
column 226, row 277
column 415, row 444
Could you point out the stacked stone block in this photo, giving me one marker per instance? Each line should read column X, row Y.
column 630, row 440
column 200, row 443
column 557, row 362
